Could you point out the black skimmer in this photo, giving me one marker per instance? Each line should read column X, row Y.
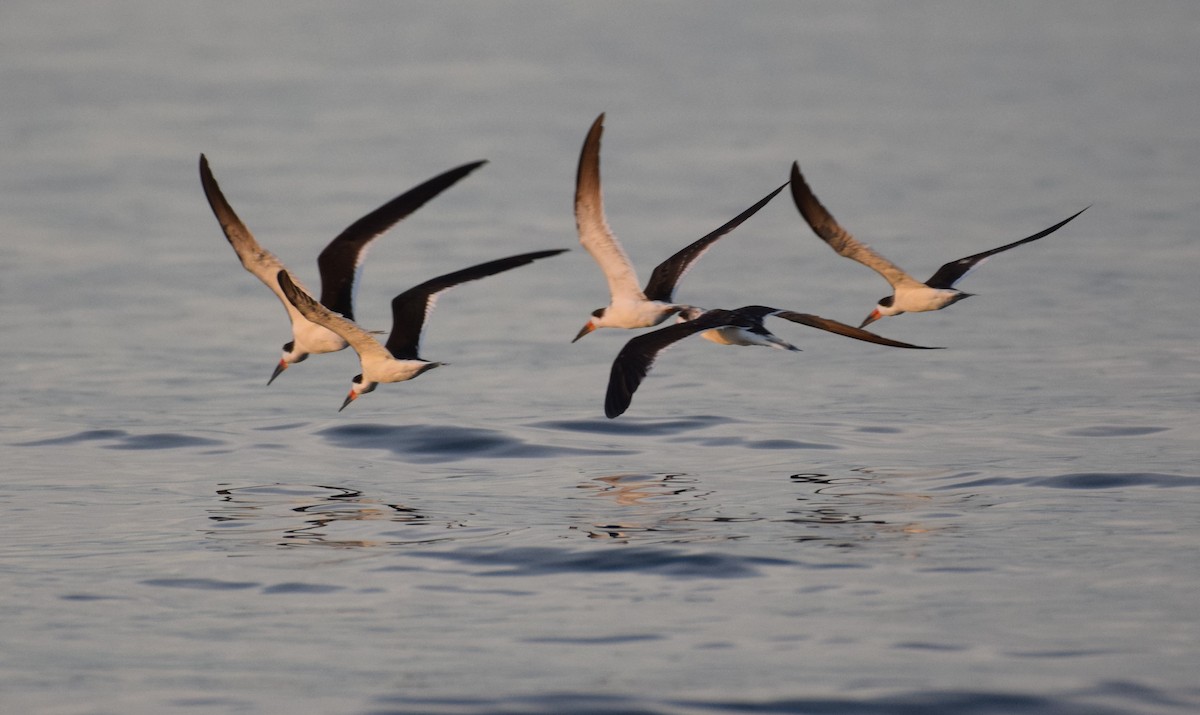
column 908, row 294
column 743, row 326
column 340, row 263
column 631, row 306
column 398, row 359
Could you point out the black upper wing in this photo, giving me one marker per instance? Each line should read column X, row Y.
column 411, row 308
column 833, row 326
column 637, row 357
column 667, row 274
column 950, row 273
column 339, row 261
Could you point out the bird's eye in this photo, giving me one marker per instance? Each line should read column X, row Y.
column 289, row 346
column 598, row 313
column 887, row 302
column 357, row 380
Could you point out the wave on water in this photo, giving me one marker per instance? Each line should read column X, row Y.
column 540, row 561
column 679, row 429
column 1086, row 480
column 1105, row 698
column 124, row 440
column 635, row 426
column 443, row 443
column 1113, row 431
column 749, row 443
column 212, row 584
column 202, row 584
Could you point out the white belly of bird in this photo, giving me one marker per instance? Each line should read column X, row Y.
column 396, row 370
column 727, row 336
column 640, row 314
column 316, row 339
column 923, row 299
column 740, row 336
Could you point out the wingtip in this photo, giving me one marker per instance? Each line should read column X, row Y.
column 594, row 132
column 802, row 195
column 613, row 409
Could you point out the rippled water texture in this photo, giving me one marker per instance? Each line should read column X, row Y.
column 1004, row 526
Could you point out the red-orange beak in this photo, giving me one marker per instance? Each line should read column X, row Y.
column 586, row 329
column 278, row 371
column 875, row 315
column 349, row 398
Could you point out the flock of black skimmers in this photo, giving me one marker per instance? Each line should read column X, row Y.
column 327, row 325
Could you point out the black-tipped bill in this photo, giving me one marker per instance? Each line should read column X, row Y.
column 278, row 371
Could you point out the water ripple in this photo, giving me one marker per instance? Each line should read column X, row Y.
column 636, row 426
column 549, row 704
column 540, row 561
column 935, row 703
column 307, row 588
column 1112, row 431
column 596, row 640
column 728, row 441
column 85, row 436
column 125, row 440
column 164, row 440
column 1118, row 698
column 442, row 443
column 202, row 584
column 210, row 584
column 1087, row 480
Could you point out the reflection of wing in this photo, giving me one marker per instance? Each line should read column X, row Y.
column 953, row 271
column 833, row 326
column 839, row 239
column 666, row 275
column 411, row 308
column 340, row 261
column 638, row 356
column 256, row 259
column 363, row 342
column 594, row 233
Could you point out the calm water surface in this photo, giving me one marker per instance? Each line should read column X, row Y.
column 1008, row 525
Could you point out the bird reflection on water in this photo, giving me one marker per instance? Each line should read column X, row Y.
column 839, row 511
column 645, row 500
column 323, row 514
column 850, row 510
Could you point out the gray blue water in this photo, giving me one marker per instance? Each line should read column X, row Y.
column 1005, row 526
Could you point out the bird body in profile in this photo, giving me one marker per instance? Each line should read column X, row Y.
column 909, row 295
column 398, row 359
column 631, row 306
